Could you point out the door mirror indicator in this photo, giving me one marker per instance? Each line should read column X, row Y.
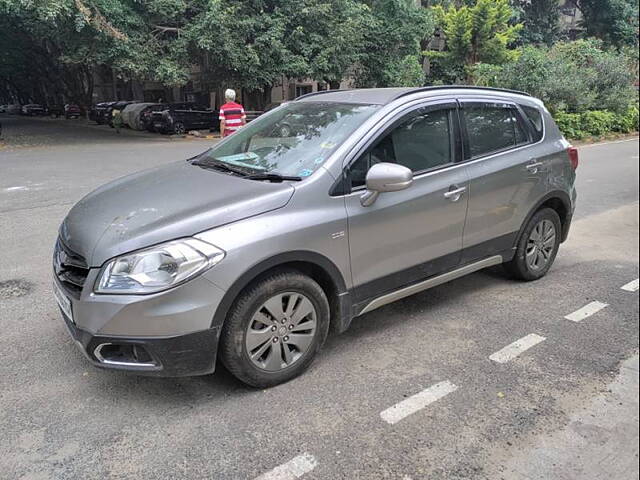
column 385, row 177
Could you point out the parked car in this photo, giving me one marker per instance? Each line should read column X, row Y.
column 97, row 113
column 72, row 110
column 3, row 108
column 179, row 118
column 117, row 106
column 14, row 109
column 33, row 109
column 55, row 110
column 131, row 114
column 146, row 116
column 252, row 250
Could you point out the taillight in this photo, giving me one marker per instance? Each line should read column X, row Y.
column 573, row 157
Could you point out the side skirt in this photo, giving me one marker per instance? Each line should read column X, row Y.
column 431, row 282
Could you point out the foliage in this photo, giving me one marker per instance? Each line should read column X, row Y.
column 597, row 122
column 570, row 76
column 391, row 48
column 71, row 39
column 613, row 21
column 540, row 20
column 479, row 33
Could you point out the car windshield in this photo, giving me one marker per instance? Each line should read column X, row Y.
column 294, row 139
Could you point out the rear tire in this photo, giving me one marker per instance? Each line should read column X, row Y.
column 269, row 317
column 537, row 247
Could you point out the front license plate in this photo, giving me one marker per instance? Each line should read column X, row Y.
column 157, row 125
column 63, row 301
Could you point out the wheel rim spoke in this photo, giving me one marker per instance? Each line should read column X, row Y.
column 256, row 338
column 274, row 358
column 287, row 354
column 274, row 307
column 260, row 352
column 300, row 340
column 291, row 304
column 262, row 318
column 535, row 234
column 307, row 325
column 302, row 310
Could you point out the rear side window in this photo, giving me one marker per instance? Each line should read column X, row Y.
column 492, row 127
column 535, row 117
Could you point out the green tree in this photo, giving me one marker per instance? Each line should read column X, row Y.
column 391, row 48
column 480, row 33
column 570, row 76
column 613, row 21
column 325, row 37
column 540, row 21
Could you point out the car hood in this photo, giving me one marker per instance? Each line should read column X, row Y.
column 162, row 204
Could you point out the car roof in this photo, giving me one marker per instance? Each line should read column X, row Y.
column 383, row 96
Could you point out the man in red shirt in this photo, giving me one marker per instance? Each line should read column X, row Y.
column 232, row 115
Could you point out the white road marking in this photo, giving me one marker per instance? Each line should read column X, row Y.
column 608, row 143
column 294, row 468
column 586, row 311
column 516, row 348
column 417, row 402
column 631, row 286
column 16, row 189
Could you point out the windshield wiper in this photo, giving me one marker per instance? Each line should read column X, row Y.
column 273, row 177
column 219, row 166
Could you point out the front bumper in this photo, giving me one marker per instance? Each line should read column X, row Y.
column 173, row 356
column 169, row 333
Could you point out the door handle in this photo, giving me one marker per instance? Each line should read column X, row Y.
column 533, row 167
column 455, row 194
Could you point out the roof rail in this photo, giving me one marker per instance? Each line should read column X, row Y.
column 468, row 87
column 320, row 92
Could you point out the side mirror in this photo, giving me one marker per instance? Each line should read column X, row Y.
column 385, row 177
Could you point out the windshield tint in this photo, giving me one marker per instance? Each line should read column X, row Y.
column 294, row 139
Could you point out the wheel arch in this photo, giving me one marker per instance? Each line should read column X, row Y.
column 558, row 201
column 313, row 264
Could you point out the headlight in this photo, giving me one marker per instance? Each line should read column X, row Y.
column 157, row 268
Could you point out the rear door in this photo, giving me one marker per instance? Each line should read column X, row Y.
column 415, row 233
column 504, row 174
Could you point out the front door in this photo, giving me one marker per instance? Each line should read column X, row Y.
column 412, row 234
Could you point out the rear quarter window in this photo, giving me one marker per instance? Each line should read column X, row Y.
column 535, row 117
column 492, row 127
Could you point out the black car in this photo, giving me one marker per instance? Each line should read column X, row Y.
column 98, row 112
column 55, row 110
column 179, row 118
column 146, row 116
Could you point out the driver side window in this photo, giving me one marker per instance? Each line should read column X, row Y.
column 422, row 141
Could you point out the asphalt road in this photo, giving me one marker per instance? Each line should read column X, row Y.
column 562, row 409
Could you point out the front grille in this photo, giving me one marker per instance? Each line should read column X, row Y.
column 70, row 268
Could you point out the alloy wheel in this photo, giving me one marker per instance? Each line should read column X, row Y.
column 178, row 128
column 281, row 331
column 540, row 245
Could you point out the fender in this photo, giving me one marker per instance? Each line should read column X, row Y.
column 344, row 316
column 566, row 222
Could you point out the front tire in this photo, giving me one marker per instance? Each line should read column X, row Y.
column 537, row 247
column 275, row 329
column 179, row 128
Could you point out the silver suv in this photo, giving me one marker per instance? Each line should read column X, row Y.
column 321, row 210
